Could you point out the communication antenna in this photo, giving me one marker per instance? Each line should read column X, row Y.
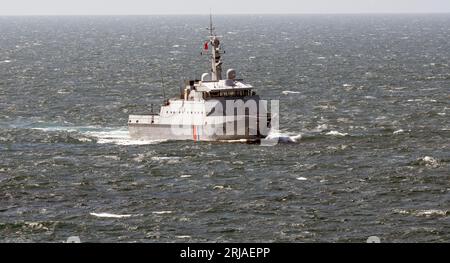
column 162, row 85
column 211, row 27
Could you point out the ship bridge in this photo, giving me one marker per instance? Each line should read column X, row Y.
column 230, row 87
column 206, row 89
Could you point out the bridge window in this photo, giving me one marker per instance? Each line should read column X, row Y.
column 227, row 93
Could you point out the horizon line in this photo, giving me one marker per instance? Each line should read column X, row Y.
column 231, row 14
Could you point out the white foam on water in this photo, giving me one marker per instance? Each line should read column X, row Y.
column 320, row 128
column 287, row 92
column 428, row 161
column 56, row 128
column 401, row 211
column 162, row 212
column 63, row 92
column 6, row 61
column 236, row 141
column 283, row 137
column 119, row 137
column 102, row 135
column 183, row 237
column 422, row 213
column 166, row 158
column 431, row 212
column 302, row 178
column 35, row 225
column 336, row 133
column 40, row 125
column 398, row 132
column 108, row 215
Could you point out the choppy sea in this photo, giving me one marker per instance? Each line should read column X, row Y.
column 364, row 102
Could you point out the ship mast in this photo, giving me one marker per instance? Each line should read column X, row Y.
column 216, row 62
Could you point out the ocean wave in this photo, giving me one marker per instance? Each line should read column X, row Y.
column 336, row 133
column 320, row 128
column 167, row 159
column 109, row 215
column 423, row 213
column 183, row 237
column 287, row 92
column 162, row 212
column 432, row 212
column 427, row 161
column 398, row 132
column 26, row 226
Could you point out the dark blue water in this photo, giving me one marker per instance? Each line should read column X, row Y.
column 369, row 95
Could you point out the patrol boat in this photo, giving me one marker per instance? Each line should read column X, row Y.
column 209, row 109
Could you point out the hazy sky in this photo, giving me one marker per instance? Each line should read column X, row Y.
column 123, row 7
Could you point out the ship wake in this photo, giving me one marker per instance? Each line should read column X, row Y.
column 100, row 135
column 283, row 137
column 118, row 136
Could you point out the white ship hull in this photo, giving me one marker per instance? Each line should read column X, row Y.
column 229, row 131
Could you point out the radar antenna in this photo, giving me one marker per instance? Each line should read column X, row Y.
column 162, row 86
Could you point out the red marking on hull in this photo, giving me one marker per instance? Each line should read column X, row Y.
column 194, row 133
